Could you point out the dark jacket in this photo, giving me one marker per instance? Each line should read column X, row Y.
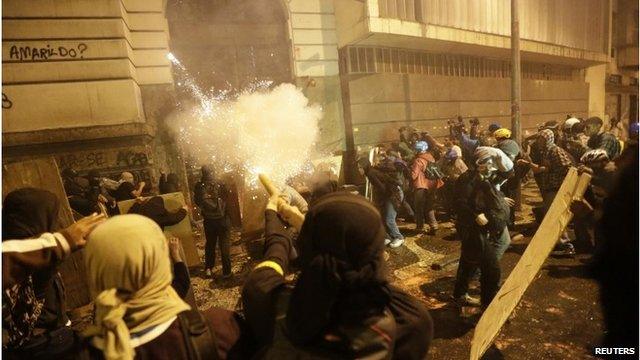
column 474, row 196
column 337, row 296
column 211, row 198
column 27, row 213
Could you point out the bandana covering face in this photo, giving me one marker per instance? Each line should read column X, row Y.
column 129, row 274
column 343, row 275
column 548, row 137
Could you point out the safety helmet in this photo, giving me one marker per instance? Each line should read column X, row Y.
column 568, row 124
column 421, row 146
column 502, row 133
column 595, row 155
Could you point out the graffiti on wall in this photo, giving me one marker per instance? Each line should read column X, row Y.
column 42, row 53
column 6, row 102
column 100, row 159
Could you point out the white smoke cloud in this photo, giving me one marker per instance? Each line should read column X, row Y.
column 271, row 131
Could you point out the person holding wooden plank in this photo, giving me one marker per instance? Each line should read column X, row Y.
column 481, row 223
column 552, row 169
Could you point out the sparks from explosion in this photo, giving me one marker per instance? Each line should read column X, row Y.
column 262, row 129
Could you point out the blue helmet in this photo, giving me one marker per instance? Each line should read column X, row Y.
column 421, row 146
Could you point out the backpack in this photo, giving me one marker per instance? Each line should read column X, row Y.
column 374, row 339
column 198, row 336
column 213, row 205
column 433, row 172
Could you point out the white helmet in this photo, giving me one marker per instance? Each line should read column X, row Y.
column 568, row 124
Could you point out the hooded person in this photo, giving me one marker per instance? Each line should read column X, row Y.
column 137, row 310
column 481, row 224
column 34, row 311
column 551, row 170
column 342, row 305
column 211, row 197
column 169, row 183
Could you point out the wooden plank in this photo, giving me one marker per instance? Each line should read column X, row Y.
column 182, row 230
column 43, row 173
column 530, row 263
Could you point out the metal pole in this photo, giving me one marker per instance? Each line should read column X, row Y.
column 516, row 76
column 515, row 73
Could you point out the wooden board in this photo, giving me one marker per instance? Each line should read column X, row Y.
column 530, row 263
column 182, row 230
column 43, row 173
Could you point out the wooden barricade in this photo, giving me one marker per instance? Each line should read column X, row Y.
column 542, row 243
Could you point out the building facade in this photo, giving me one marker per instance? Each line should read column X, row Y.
column 90, row 83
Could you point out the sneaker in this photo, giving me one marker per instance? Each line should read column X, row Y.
column 396, row 243
column 564, row 249
column 387, row 242
column 432, row 229
column 208, row 272
column 466, row 300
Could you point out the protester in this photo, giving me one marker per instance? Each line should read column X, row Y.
column 452, row 167
column 77, row 189
column 138, row 313
column 393, row 164
column 427, row 179
column 481, row 224
column 405, row 146
column 552, row 168
column 155, row 209
column 35, row 324
column 211, row 196
column 127, row 189
column 615, row 264
column 511, row 148
column 168, row 183
column 342, row 305
column 575, row 140
column 99, row 193
column 598, row 139
column 387, row 197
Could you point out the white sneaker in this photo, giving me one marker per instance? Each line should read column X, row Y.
column 396, row 243
column 209, row 272
column 387, row 242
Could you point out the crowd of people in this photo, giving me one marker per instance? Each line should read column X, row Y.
column 340, row 303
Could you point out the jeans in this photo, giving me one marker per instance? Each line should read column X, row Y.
column 480, row 251
column 424, row 206
column 390, row 223
column 216, row 231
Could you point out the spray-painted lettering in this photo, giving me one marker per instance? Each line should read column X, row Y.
column 32, row 53
column 6, row 102
column 131, row 158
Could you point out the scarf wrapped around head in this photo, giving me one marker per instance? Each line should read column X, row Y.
column 129, row 273
column 343, row 274
column 549, row 138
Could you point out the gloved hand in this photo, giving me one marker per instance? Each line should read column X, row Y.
column 510, row 201
column 290, row 214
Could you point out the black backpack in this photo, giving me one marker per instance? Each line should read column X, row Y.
column 371, row 340
column 214, row 206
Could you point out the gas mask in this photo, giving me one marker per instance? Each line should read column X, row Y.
column 486, row 167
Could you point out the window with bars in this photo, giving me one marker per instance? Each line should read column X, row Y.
column 372, row 60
